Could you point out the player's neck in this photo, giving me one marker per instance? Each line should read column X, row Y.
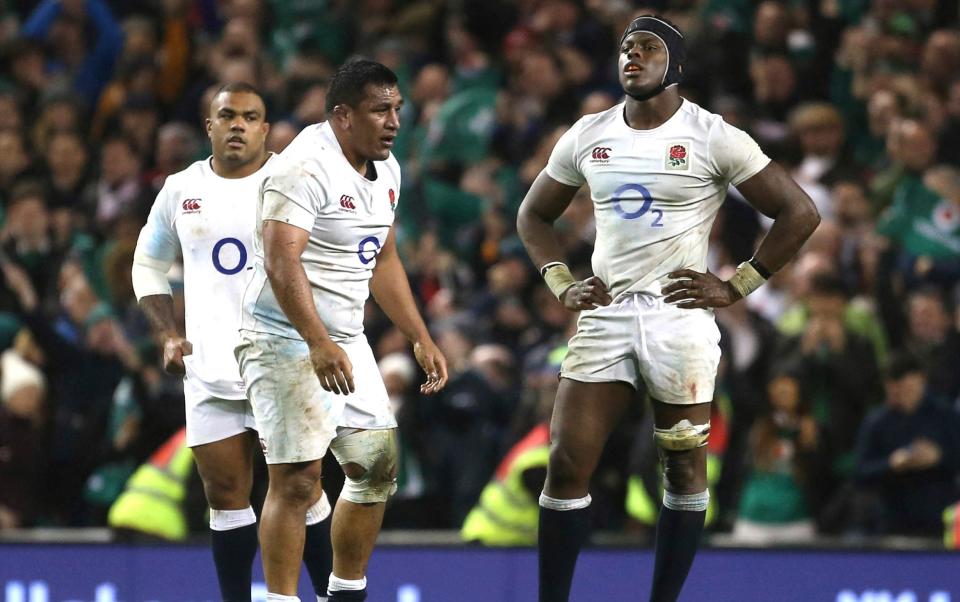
column 353, row 158
column 225, row 170
column 654, row 112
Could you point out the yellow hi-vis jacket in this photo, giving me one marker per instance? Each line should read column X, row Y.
column 951, row 527
column 508, row 514
column 152, row 500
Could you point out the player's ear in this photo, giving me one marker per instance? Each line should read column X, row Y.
column 341, row 112
column 208, row 125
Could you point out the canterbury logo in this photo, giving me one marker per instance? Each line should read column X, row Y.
column 347, row 203
column 601, row 152
column 191, row 205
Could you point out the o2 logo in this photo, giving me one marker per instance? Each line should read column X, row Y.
column 367, row 249
column 241, row 256
column 618, row 200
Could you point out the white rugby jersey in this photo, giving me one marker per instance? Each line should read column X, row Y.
column 348, row 217
column 210, row 220
column 655, row 192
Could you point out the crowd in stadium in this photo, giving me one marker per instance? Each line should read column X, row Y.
column 836, row 409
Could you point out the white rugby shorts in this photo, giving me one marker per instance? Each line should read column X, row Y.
column 211, row 418
column 296, row 418
column 675, row 351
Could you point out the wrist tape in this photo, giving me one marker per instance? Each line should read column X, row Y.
column 746, row 279
column 558, row 277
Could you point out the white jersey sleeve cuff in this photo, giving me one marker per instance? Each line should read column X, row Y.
column 149, row 275
column 281, row 208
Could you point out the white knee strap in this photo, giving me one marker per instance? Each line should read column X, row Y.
column 682, row 436
column 376, row 452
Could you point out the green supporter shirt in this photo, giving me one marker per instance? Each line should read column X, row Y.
column 772, row 498
column 922, row 222
column 312, row 23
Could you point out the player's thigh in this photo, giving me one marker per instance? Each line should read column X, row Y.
column 210, row 418
column 295, row 417
column 666, row 415
column 583, row 416
column 227, row 465
column 682, row 354
column 368, row 407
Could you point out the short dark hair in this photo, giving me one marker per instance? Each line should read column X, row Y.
column 828, row 284
column 349, row 83
column 902, row 363
column 242, row 88
column 930, row 291
column 27, row 189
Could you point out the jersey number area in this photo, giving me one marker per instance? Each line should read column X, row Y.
column 621, row 196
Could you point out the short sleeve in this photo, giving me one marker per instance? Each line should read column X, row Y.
column 737, row 156
column 291, row 196
column 562, row 165
column 158, row 239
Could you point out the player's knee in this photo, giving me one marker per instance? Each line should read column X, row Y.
column 296, row 488
column 227, row 490
column 684, row 471
column 564, row 472
column 369, row 461
column 682, row 450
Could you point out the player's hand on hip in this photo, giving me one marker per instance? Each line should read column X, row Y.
column 333, row 367
column 586, row 294
column 693, row 289
column 433, row 363
column 174, row 349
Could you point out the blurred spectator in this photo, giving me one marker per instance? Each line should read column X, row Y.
column 750, row 347
column 909, row 451
column 840, row 379
column 820, row 131
column 28, row 240
column 177, row 146
column 783, row 443
column 85, row 39
column 473, row 413
column 934, row 340
column 120, row 187
column 949, row 140
column 22, row 425
column 14, row 161
column 923, row 222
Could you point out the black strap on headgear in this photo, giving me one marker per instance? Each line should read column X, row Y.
column 676, row 49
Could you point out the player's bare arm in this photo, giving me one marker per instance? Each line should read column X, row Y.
column 283, row 245
column 391, row 290
column 159, row 312
column 546, row 201
column 774, row 193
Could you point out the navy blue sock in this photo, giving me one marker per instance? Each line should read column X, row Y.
column 561, row 535
column 678, row 536
column 348, row 595
column 318, row 555
column 233, row 553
